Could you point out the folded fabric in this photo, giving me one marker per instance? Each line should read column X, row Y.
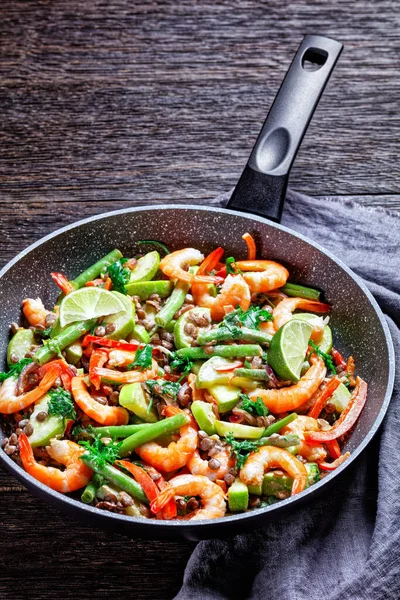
column 345, row 545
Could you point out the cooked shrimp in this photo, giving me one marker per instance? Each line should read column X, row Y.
column 234, row 292
column 101, row 413
column 176, row 454
column 269, row 457
column 120, row 358
column 10, row 403
column 198, row 466
column 34, row 311
column 211, row 496
column 316, row 452
column 117, row 377
column 289, row 398
column 173, row 265
column 75, row 476
column 263, row 275
column 283, row 313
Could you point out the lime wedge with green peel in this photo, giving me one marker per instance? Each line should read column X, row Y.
column 146, row 267
column 288, row 349
column 88, row 303
column 325, row 344
column 123, row 321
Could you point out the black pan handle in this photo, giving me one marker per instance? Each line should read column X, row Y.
column 261, row 188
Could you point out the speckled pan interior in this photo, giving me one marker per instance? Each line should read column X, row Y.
column 356, row 319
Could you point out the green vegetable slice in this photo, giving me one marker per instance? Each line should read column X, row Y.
column 146, row 267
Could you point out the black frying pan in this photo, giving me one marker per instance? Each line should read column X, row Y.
column 356, row 317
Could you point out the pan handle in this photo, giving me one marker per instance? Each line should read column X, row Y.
column 261, row 188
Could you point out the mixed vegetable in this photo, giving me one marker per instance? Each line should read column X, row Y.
column 174, row 386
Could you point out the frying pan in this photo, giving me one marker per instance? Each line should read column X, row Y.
column 356, row 317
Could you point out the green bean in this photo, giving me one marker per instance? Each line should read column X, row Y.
column 152, row 432
column 119, row 431
column 281, row 441
column 257, row 374
column 278, row 425
column 89, row 493
column 118, row 478
column 173, row 304
column 228, row 351
column 64, row 338
column 299, row 291
column 222, row 334
column 95, row 270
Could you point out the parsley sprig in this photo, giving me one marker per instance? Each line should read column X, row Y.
column 16, row 369
column 254, row 407
column 250, row 318
column 100, row 453
column 241, row 449
column 143, row 358
column 184, row 365
column 61, row 404
column 167, row 388
column 119, row 275
column 231, row 268
column 325, row 357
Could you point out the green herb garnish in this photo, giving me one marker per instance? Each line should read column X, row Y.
column 250, row 318
column 240, row 449
column 143, row 358
column 258, row 407
column 119, row 275
column 184, row 365
column 100, row 453
column 16, row 369
column 231, row 268
column 168, row 388
column 61, row 404
column 44, row 333
column 325, row 357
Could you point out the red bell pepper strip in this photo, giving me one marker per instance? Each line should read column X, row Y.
column 62, row 282
column 323, row 397
column 251, row 246
column 346, row 420
column 221, row 273
column 335, row 464
column 101, row 341
column 333, row 448
column 338, row 359
column 98, row 358
column 148, row 485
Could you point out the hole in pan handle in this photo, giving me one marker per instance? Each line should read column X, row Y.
column 261, row 188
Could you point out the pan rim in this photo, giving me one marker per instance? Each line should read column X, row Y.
column 155, row 525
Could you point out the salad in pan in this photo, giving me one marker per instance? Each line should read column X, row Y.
column 178, row 386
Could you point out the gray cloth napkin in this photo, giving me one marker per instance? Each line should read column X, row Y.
column 345, row 545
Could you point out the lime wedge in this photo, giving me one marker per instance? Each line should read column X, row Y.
column 325, row 344
column 288, row 349
column 88, row 303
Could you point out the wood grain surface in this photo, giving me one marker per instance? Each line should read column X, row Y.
column 105, row 105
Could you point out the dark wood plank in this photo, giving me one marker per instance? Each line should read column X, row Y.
column 108, row 105
column 165, row 99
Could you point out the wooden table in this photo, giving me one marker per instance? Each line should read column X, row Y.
column 106, row 105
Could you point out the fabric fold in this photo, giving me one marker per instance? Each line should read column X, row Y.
column 345, row 545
